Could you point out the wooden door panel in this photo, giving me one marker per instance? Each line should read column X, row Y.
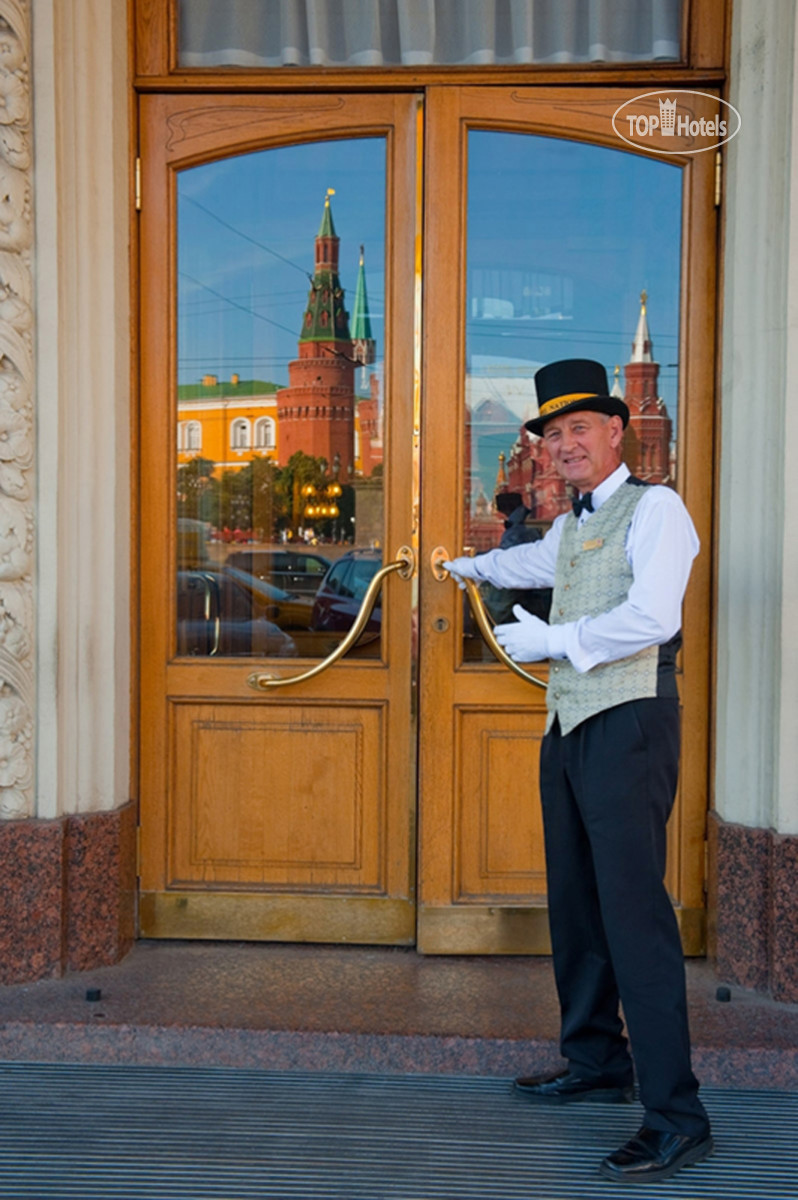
column 290, row 798
column 498, row 830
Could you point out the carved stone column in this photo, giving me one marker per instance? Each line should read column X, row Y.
column 17, row 696
column 67, row 828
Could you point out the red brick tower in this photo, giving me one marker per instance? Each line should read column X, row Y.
column 316, row 412
column 532, row 473
column 368, row 411
column 647, row 443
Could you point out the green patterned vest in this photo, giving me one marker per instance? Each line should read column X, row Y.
column 593, row 576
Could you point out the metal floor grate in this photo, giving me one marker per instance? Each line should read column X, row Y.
column 136, row 1133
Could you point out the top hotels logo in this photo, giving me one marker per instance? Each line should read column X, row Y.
column 676, row 122
column 667, row 116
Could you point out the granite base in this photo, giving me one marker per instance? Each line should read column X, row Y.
column 753, row 908
column 68, row 895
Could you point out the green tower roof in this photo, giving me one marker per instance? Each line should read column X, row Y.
column 327, row 228
column 325, row 319
column 361, row 321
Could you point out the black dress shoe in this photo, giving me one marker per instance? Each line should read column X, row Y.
column 566, row 1087
column 654, row 1154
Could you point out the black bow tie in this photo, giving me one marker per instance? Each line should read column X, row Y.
column 582, row 503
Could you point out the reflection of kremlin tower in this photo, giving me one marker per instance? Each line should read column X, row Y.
column 369, row 451
column 647, row 442
column 647, row 447
column 234, row 424
column 316, row 412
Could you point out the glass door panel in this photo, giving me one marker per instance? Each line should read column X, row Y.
column 573, row 251
column 384, row 33
column 280, row 399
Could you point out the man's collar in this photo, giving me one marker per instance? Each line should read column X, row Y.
column 610, row 485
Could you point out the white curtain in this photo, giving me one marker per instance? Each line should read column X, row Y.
column 412, row 33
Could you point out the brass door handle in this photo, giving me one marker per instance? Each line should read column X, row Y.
column 405, row 564
column 437, row 559
column 486, row 629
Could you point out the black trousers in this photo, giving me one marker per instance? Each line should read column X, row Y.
column 607, row 789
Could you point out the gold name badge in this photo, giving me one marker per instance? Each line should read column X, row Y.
column 593, row 544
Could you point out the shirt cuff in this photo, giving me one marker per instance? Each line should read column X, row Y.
column 556, row 639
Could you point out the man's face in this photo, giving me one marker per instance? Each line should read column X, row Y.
column 584, row 447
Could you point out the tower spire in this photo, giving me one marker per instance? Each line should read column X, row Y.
column 616, row 386
column 327, row 228
column 362, row 339
column 641, row 346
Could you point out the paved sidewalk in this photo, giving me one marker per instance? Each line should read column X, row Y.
column 356, row 1009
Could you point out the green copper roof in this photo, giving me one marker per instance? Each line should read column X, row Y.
column 361, row 321
column 230, row 391
column 327, row 228
column 326, row 319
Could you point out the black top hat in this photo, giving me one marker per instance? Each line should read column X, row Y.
column 571, row 384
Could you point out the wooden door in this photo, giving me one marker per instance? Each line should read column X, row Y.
column 529, row 226
column 288, row 811
column 291, row 811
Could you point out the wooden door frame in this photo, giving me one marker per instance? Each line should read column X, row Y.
column 457, row 927
column 704, row 64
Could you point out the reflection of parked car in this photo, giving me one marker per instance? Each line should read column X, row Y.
column 339, row 598
column 215, row 616
column 294, row 570
column 192, row 543
column 286, row 610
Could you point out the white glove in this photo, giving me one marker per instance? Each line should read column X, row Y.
column 525, row 640
column 463, row 568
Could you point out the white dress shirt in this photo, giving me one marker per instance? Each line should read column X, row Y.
column 660, row 546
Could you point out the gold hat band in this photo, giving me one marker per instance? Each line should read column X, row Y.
column 561, row 401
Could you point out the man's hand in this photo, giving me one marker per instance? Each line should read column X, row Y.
column 461, row 569
column 525, row 640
